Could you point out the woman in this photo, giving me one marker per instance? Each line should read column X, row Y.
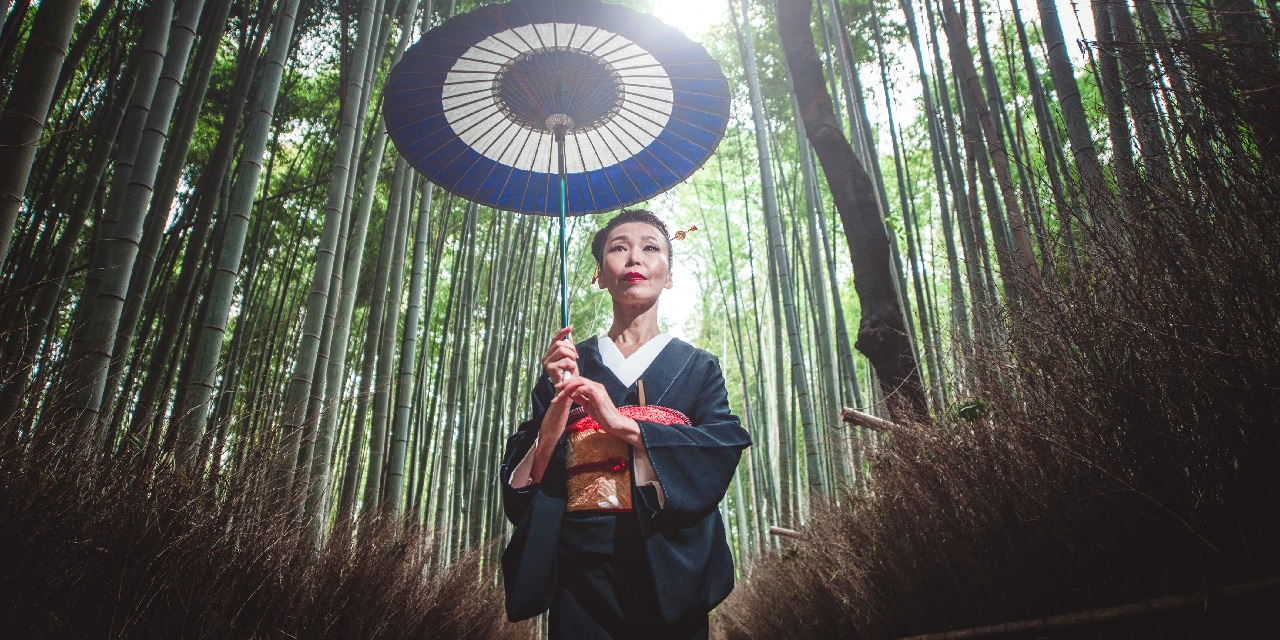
column 631, row 545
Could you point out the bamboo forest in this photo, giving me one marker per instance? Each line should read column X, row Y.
column 994, row 286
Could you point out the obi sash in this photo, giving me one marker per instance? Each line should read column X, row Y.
column 599, row 464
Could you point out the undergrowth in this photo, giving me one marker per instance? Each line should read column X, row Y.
column 1125, row 448
column 97, row 550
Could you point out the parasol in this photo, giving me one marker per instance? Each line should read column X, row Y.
column 556, row 107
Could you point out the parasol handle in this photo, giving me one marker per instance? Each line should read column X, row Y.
column 559, row 128
column 560, row 145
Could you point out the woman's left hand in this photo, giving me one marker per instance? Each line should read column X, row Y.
column 592, row 396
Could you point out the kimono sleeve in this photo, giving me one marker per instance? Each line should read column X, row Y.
column 694, row 464
column 516, row 501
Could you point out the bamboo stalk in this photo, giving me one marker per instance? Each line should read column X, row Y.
column 868, row 421
column 783, row 532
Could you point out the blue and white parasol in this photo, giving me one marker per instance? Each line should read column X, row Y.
column 556, row 107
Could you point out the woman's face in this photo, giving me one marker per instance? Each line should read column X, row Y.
column 636, row 265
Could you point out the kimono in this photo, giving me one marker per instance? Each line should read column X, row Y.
column 659, row 568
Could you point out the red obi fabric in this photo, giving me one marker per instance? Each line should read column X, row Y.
column 599, row 468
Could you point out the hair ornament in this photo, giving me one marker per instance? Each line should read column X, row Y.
column 680, row 235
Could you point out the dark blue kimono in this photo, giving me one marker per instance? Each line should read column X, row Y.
column 656, row 569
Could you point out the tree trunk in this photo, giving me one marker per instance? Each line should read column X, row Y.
column 375, row 488
column 115, row 255
column 296, row 398
column 1113, row 102
column 155, row 388
column 169, row 173
column 23, row 346
column 825, row 345
column 1064, row 193
column 1093, row 183
column 1138, row 94
column 22, row 123
column 409, row 345
column 373, row 330
column 206, row 343
column 317, row 508
column 882, row 334
column 88, row 36
column 937, row 145
column 408, row 351
column 773, row 227
column 908, row 213
column 13, row 26
column 1021, row 269
column 1007, row 134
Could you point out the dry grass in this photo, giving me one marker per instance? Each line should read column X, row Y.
column 94, row 551
column 1121, row 442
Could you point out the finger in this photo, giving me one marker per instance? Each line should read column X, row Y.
column 571, row 389
column 562, row 334
column 562, row 398
column 551, row 354
column 564, row 349
column 558, row 338
column 560, row 365
column 572, row 383
column 585, row 391
column 559, row 352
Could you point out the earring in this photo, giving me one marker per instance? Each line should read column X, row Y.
column 595, row 278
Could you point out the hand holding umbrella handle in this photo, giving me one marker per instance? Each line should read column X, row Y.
column 560, row 361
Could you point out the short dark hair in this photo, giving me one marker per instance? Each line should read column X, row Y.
column 623, row 217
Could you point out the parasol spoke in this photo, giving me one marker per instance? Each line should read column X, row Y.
column 629, row 135
column 577, row 141
column 647, row 154
column 605, row 133
column 493, row 167
column 594, row 143
column 591, row 138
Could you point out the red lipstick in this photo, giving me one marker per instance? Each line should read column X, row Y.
column 633, row 276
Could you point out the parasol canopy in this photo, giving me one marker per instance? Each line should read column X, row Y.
column 556, row 107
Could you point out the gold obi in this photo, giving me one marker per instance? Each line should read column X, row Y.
column 599, row 464
column 599, row 467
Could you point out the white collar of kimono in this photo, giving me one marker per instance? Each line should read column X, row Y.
column 628, row 370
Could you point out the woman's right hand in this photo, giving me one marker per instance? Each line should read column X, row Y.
column 552, row 427
column 561, row 357
column 549, row 432
column 560, row 362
